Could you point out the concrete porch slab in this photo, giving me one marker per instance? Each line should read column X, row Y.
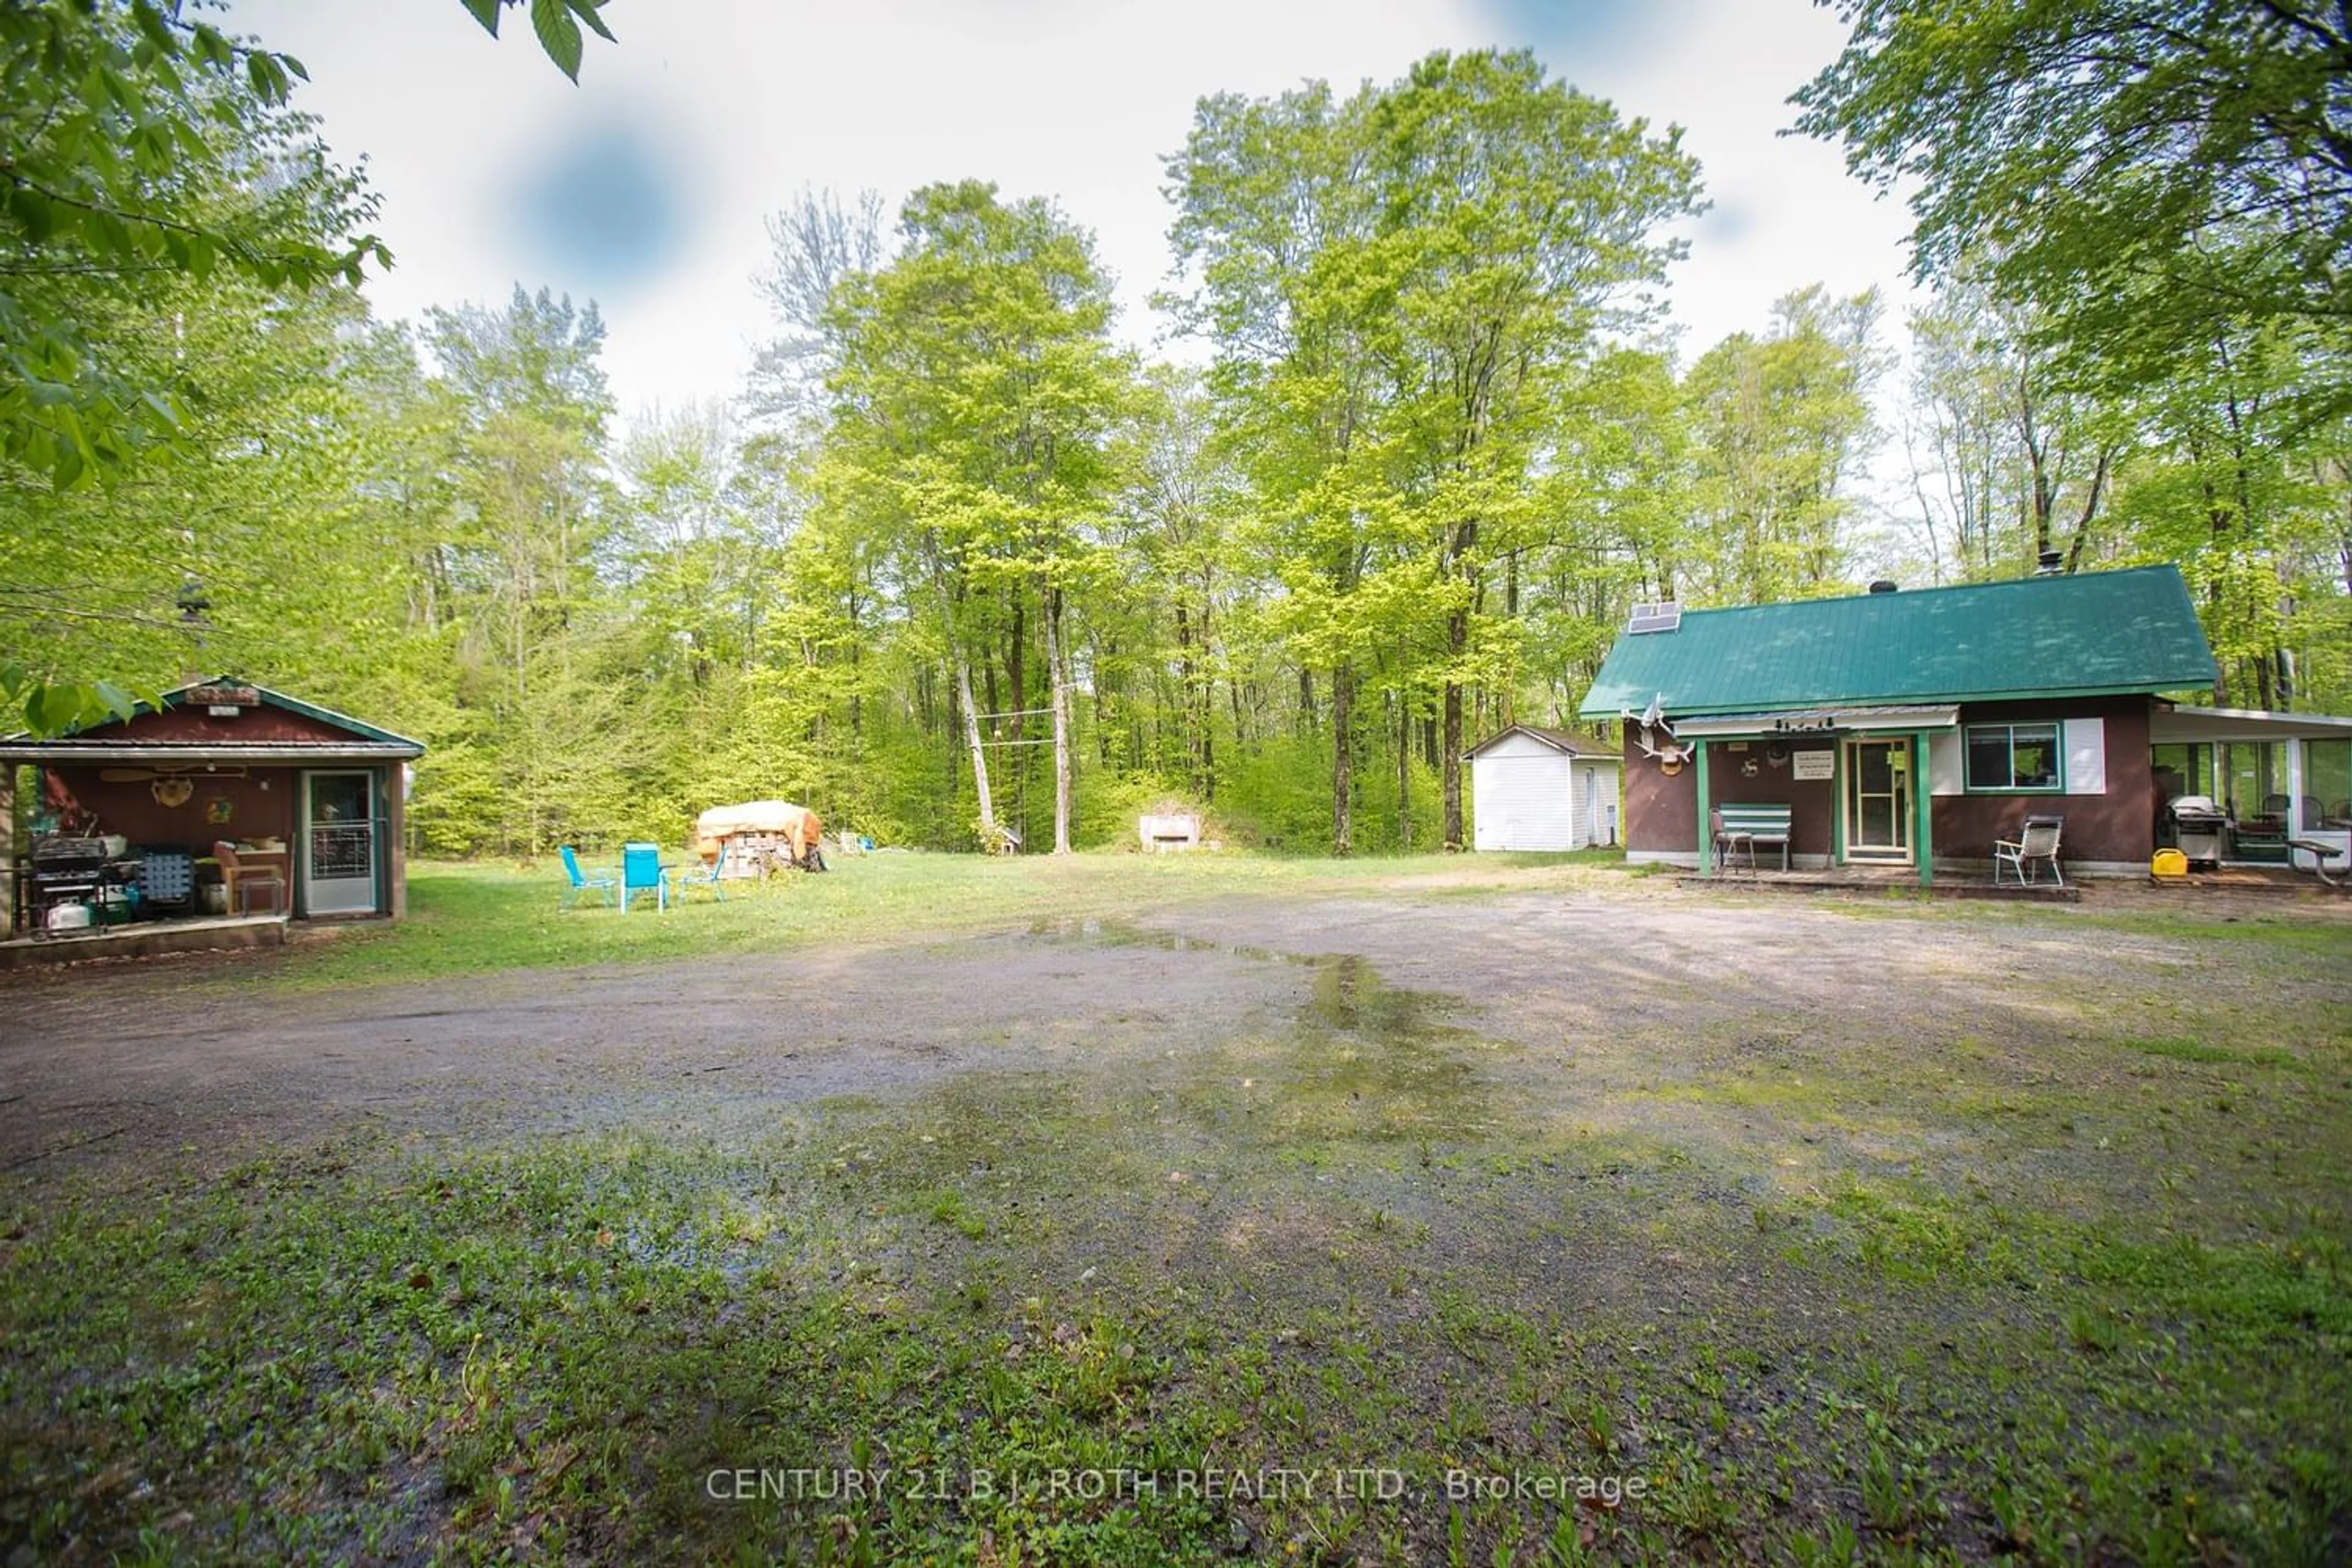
column 145, row 939
column 1902, row 880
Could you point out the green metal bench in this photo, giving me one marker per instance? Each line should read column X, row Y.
column 2261, row 839
column 1746, row 825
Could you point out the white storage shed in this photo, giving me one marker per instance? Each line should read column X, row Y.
column 1533, row 788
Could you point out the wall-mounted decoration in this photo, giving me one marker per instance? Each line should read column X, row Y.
column 173, row 791
column 1747, row 768
column 217, row 809
column 1814, row 765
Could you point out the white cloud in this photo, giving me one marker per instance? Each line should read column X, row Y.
column 750, row 100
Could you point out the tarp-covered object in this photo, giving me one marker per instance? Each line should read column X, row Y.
column 795, row 824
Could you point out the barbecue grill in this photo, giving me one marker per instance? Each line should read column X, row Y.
column 2197, row 825
column 74, row 870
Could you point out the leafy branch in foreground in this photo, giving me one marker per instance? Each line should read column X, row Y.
column 2147, row 171
column 59, row 708
column 135, row 141
column 557, row 22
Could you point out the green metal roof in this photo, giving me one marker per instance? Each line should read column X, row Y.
column 2067, row 636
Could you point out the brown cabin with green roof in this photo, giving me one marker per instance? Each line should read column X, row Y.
column 310, row 800
column 1907, row 729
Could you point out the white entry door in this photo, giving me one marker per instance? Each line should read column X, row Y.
column 339, row 844
column 1878, row 800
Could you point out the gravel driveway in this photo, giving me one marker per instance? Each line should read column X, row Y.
column 1587, row 1007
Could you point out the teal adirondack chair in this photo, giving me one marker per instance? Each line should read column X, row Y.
column 642, row 872
column 579, row 883
column 701, row 878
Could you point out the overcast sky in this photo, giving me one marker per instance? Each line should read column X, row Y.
column 645, row 186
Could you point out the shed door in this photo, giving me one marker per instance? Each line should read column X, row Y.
column 1596, row 801
column 339, row 834
column 1522, row 803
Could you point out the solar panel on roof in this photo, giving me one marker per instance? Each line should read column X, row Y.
column 1666, row 615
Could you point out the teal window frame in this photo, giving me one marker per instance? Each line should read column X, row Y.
column 2057, row 784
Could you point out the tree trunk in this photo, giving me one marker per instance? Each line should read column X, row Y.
column 1106, row 715
column 2090, row 510
column 1061, row 706
column 1509, row 699
column 1016, row 671
column 1457, row 642
column 1343, row 782
column 1404, row 773
column 979, row 751
column 962, row 696
column 1184, row 663
column 1016, row 688
column 1206, row 721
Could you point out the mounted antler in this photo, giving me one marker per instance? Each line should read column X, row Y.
column 1670, row 757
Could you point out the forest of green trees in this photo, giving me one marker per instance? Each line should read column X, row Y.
column 958, row 552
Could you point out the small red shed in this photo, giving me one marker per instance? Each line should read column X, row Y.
column 316, row 796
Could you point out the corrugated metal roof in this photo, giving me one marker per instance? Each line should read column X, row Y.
column 1557, row 740
column 188, row 752
column 21, row 741
column 2095, row 632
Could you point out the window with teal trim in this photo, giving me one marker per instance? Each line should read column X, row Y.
column 2012, row 756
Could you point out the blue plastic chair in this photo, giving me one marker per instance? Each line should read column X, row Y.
column 579, row 883
column 705, row 876
column 642, row 872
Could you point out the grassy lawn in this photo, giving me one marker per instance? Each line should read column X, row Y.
column 480, row 919
column 1363, row 1282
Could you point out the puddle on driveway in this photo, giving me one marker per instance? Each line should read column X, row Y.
column 1119, row 933
column 1361, row 1059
